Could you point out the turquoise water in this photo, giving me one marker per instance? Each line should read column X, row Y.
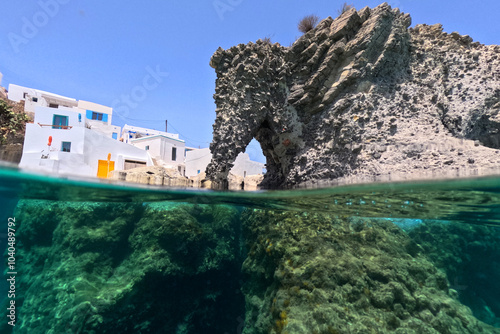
column 97, row 257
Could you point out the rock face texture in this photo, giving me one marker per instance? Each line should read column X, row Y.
column 359, row 98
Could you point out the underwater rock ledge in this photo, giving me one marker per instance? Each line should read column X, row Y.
column 315, row 273
column 127, row 268
column 359, row 98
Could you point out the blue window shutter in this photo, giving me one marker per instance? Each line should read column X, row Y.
column 105, row 117
column 58, row 121
column 115, row 135
column 89, row 114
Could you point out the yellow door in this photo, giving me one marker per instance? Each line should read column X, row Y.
column 104, row 167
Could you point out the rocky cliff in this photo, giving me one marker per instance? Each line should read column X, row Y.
column 362, row 97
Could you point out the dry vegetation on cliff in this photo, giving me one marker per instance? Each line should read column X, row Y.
column 12, row 122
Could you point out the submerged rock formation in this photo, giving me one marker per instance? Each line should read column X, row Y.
column 169, row 267
column 470, row 257
column 359, row 98
column 93, row 268
column 314, row 273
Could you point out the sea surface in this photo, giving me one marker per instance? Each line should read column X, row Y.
column 67, row 259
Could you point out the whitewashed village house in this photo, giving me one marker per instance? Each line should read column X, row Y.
column 75, row 137
column 166, row 149
column 72, row 137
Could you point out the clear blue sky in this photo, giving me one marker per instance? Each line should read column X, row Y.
column 101, row 51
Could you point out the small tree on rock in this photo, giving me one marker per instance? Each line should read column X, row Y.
column 308, row 23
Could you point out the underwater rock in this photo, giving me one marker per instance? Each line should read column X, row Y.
column 127, row 268
column 470, row 257
column 313, row 273
column 168, row 267
column 359, row 98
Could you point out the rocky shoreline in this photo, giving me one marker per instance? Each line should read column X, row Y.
column 170, row 177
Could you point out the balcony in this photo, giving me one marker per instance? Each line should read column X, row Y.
column 55, row 126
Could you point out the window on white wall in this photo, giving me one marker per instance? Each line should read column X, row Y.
column 97, row 116
column 66, row 146
column 147, row 148
column 174, row 153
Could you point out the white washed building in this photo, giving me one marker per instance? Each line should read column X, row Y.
column 74, row 149
column 197, row 161
column 97, row 117
column 38, row 98
column 165, row 148
column 84, row 142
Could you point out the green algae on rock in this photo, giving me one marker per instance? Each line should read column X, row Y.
column 151, row 266
column 312, row 273
column 470, row 256
column 126, row 268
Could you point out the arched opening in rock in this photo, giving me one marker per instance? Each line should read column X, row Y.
column 255, row 151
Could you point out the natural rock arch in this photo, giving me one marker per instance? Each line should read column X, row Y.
column 358, row 98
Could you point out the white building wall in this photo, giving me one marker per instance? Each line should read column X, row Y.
column 97, row 147
column 36, row 145
column 243, row 166
column 160, row 148
column 85, row 105
column 45, row 115
column 103, row 126
column 153, row 143
column 198, row 160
